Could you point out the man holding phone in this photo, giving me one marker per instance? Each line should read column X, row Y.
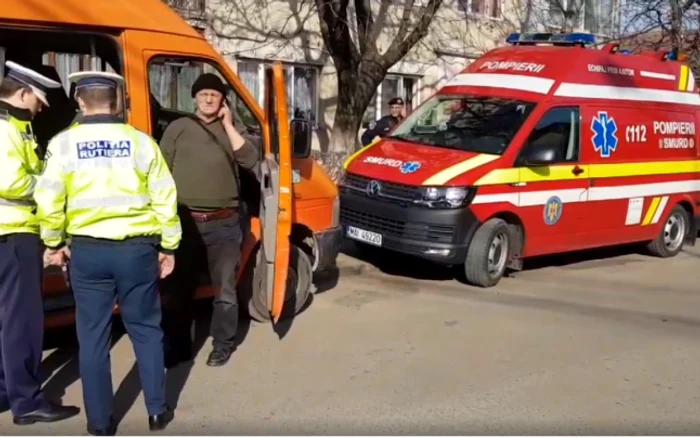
column 203, row 153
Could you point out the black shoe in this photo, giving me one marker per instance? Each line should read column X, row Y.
column 49, row 414
column 160, row 421
column 110, row 431
column 219, row 357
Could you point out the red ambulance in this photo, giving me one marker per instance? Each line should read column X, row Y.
column 544, row 146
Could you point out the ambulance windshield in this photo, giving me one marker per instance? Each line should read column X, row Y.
column 482, row 124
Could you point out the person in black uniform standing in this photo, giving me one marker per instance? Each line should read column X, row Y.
column 383, row 126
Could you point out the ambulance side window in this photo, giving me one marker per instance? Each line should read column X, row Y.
column 558, row 127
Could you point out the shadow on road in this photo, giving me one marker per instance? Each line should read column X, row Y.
column 396, row 264
column 61, row 368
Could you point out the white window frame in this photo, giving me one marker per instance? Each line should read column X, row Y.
column 415, row 95
column 287, row 65
column 466, row 7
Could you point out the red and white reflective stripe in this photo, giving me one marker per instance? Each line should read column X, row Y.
column 567, row 196
column 511, row 82
column 608, row 92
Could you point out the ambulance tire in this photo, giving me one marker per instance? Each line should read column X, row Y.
column 678, row 221
column 494, row 232
column 299, row 278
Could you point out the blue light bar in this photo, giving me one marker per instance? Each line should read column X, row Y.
column 575, row 38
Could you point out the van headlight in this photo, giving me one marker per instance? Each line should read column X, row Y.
column 446, row 197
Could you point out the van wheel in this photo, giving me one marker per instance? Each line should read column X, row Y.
column 488, row 254
column 298, row 290
column 672, row 234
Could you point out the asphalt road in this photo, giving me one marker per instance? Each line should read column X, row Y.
column 576, row 345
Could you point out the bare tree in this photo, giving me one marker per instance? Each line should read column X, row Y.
column 364, row 39
column 664, row 24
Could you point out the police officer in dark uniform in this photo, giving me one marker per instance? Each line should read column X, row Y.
column 118, row 204
column 22, row 95
column 383, row 126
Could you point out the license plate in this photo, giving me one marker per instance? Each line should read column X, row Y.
column 365, row 236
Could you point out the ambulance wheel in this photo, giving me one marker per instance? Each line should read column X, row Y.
column 298, row 290
column 672, row 234
column 487, row 256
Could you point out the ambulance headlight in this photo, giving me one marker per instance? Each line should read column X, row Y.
column 446, row 197
column 455, row 196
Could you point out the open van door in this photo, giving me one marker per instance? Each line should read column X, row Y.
column 276, row 191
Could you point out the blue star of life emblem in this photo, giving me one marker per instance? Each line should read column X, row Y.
column 604, row 138
column 409, row 167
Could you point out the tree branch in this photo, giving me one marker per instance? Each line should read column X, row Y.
column 333, row 20
column 401, row 46
column 365, row 28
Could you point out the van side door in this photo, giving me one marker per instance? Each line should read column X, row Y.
column 553, row 191
column 276, row 191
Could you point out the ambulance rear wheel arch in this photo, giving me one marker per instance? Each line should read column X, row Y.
column 673, row 232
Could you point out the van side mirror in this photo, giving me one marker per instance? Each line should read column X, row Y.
column 541, row 152
column 300, row 130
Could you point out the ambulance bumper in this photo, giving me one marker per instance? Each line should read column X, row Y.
column 441, row 236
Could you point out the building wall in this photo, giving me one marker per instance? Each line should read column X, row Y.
column 250, row 33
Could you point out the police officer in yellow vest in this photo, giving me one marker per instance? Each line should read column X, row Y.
column 22, row 94
column 107, row 187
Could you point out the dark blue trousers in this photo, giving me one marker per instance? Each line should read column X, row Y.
column 103, row 273
column 21, row 322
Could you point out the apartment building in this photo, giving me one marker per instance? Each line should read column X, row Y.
column 251, row 33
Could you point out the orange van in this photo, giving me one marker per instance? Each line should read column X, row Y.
column 293, row 204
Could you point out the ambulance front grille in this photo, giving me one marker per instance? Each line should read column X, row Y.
column 389, row 191
column 395, row 227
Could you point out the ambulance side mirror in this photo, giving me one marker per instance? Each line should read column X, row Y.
column 541, row 152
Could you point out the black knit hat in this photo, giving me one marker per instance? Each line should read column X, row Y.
column 208, row 81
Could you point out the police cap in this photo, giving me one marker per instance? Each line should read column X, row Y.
column 396, row 101
column 95, row 79
column 37, row 82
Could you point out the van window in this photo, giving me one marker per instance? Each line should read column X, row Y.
column 56, row 54
column 468, row 123
column 559, row 126
column 170, row 81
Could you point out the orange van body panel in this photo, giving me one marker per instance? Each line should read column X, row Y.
column 141, row 28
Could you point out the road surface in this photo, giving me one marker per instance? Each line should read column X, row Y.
column 569, row 346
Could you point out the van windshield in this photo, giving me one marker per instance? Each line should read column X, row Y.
column 468, row 123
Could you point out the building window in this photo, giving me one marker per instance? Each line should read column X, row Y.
column 490, row 8
column 198, row 6
column 302, row 86
column 405, row 87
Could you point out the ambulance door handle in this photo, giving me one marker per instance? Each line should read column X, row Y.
column 577, row 171
column 518, row 184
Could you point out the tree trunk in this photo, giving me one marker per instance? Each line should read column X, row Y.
column 355, row 90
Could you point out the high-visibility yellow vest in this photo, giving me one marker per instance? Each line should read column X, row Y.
column 19, row 167
column 107, row 181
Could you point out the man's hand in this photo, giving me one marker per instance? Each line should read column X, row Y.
column 166, row 263
column 56, row 257
column 225, row 115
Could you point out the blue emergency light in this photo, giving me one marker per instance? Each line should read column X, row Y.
column 566, row 39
